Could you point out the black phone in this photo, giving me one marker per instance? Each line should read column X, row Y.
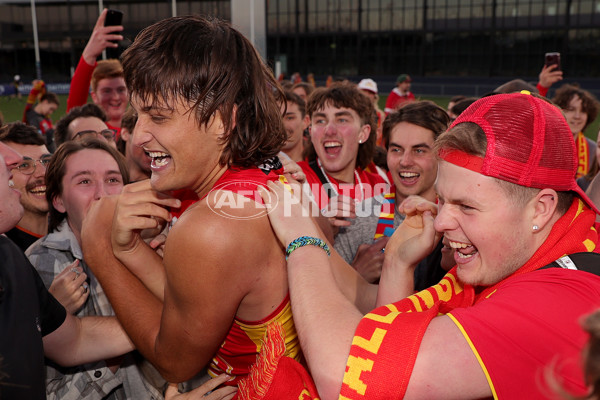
column 113, row 17
column 552, row 59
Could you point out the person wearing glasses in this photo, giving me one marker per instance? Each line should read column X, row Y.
column 28, row 178
column 84, row 122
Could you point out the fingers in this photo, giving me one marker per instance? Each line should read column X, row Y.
column 414, row 204
column 140, row 207
column 214, row 383
column 207, row 391
column 158, row 240
column 265, row 194
column 293, row 169
column 340, row 207
column 429, row 233
column 171, row 391
column 224, row 393
column 339, row 222
column 100, row 24
column 100, row 20
column 380, row 243
column 70, row 287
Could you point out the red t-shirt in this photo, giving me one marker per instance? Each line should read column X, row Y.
column 529, row 324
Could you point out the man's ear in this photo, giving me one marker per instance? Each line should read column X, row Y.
column 94, row 97
column 364, row 133
column 232, row 121
column 58, row 204
column 305, row 122
column 544, row 205
column 125, row 135
column 234, row 117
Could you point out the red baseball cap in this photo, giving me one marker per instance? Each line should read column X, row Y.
column 528, row 143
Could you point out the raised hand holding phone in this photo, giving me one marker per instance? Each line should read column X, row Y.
column 103, row 36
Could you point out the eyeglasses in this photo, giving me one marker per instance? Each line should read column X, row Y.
column 107, row 134
column 27, row 166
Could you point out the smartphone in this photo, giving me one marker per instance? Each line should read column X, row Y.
column 552, row 59
column 113, row 17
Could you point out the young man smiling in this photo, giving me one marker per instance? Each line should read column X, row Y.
column 408, row 135
column 28, row 178
column 342, row 133
column 209, row 120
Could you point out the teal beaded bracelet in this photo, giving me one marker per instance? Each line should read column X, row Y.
column 305, row 241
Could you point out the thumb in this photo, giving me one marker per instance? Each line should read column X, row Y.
column 381, row 243
column 428, row 229
column 362, row 248
column 171, row 391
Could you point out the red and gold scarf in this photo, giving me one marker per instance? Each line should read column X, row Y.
column 387, row 340
column 583, row 155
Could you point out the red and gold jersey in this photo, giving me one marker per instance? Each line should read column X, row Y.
column 243, row 342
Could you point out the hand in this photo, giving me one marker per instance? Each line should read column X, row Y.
column 339, row 209
column 549, row 75
column 369, row 259
column 97, row 225
column 289, row 217
column 70, row 287
column 293, row 169
column 202, row 392
column 101, row 38
column 138, row 207
column 39, row 85
column 416, row 237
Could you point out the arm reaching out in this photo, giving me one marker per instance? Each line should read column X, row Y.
column 102, row 37
column 325, row 336
column 549, row 75
column 83, row 340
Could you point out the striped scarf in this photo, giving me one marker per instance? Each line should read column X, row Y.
column 583, row 157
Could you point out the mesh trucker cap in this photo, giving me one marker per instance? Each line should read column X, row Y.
column 528, row 143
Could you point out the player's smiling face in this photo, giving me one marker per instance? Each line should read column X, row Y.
column 184, row 155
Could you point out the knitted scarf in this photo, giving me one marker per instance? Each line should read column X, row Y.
column 387, row 340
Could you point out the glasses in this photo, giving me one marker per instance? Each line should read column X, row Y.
column 107, row 134
column 27, row 166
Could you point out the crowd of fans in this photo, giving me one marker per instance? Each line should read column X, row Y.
column 269, row 239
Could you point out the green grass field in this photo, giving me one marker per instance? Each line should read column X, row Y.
column 12, row 109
